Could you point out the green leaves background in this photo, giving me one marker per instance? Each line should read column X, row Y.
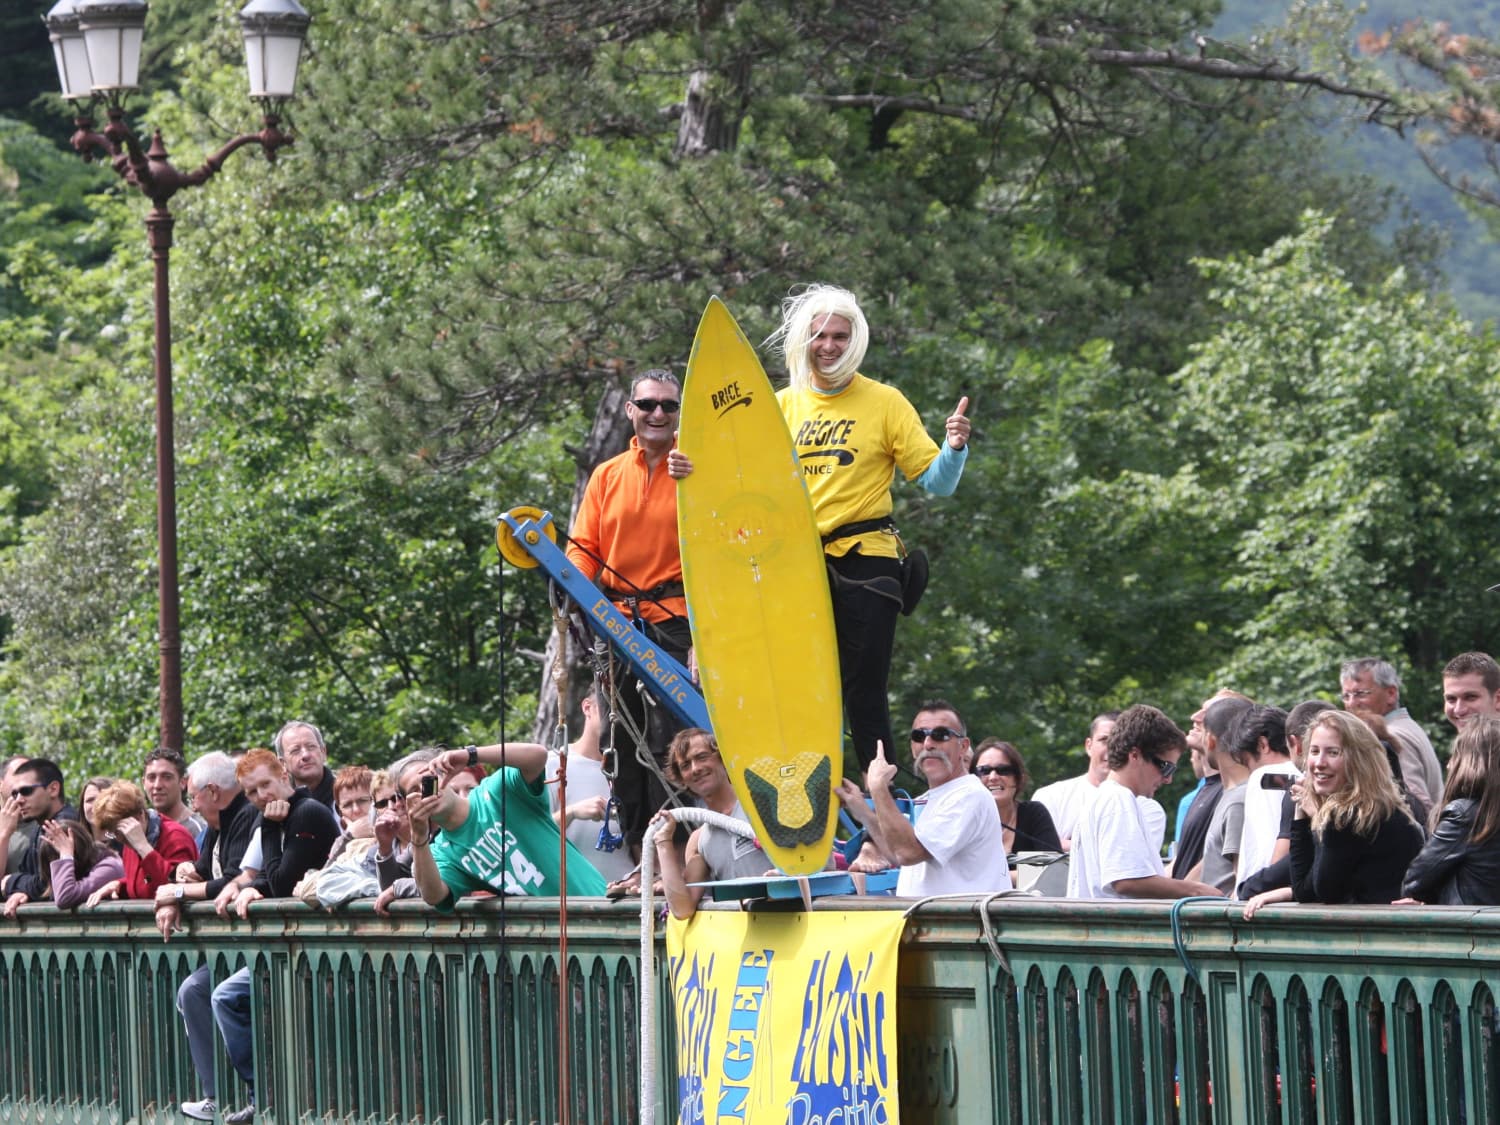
column 1222, row 434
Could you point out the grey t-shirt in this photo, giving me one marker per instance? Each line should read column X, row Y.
column 730, row 856
column 1222, row 846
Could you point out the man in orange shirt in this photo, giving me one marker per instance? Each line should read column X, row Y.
column 624, row 537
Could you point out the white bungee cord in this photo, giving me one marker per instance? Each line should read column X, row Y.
column 648, row 940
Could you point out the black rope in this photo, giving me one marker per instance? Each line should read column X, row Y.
column 597, row 651
column 625, row 584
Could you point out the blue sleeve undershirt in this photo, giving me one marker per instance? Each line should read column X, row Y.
column 941, row 477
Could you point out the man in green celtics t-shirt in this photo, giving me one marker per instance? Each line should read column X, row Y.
column 500, row 837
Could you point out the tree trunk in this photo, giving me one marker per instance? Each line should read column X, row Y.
column 608, row 436
column 711, row 117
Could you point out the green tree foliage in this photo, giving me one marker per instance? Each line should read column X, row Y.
column 998, row 196
column 48, row 222
column 497, row 210
column 961, row 165
column 1345, row 447
column 1316, row 482
column 315, row 581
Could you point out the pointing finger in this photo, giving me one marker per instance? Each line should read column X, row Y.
column 880, row 749
column 963, row 405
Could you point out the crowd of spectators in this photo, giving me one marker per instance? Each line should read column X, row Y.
column 1310, row 804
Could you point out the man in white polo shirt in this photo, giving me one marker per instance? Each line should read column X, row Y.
column 957, row 845
column 1114, row 855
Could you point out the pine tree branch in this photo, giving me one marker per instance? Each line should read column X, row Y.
column 1226, row 69
column 888, row 102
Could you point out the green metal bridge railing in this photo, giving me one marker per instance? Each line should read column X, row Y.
column 1024, row 1011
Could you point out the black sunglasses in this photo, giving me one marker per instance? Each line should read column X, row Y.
column 649, row 405
column 937, row 734
column 25, row 790
column 386, row 802
column 1003, row 771
column 1166, row 768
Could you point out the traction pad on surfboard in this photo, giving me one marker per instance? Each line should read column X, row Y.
column 807, row 804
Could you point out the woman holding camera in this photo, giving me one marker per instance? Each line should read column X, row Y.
column 1352, row 836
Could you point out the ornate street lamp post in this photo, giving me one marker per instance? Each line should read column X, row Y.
column 97, row 46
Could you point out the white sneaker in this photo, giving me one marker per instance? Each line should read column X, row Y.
column 200, row 1111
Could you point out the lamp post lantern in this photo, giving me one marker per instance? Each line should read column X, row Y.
column 97, row 47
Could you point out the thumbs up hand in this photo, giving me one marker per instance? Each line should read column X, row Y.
column 881, row 771
column 958, row 425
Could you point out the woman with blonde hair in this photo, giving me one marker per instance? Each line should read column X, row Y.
column 1460, row 864
column 1352, row 836
column 851, row 435
column 1419, row 809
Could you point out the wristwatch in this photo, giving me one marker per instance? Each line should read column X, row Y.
column 473, row 752
column 178, row 890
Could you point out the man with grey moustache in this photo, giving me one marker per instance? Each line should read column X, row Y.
column 957, row 845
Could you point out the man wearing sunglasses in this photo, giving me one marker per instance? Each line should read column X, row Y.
column 36, row 796
column 957, row 845
column 1115, row 853
column 624, row 538
column 19, row 841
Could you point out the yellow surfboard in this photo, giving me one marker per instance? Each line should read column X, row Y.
column 757, row 594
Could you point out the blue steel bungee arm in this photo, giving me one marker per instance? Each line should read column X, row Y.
column 668, row 680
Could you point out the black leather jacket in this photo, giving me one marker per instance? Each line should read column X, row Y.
column 1451, row 871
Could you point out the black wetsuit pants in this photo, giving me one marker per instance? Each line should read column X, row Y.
column 866, row 595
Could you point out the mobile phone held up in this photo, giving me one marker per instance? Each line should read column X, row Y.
column 429, row 785
column 1281, row 781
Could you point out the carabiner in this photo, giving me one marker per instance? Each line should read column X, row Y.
column 610, row 841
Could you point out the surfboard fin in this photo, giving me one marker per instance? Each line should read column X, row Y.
column 815, row 793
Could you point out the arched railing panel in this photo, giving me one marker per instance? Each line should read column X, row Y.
column 1047, row 1012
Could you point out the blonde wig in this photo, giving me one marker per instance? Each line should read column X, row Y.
column 1369, row 793
column 801, row 316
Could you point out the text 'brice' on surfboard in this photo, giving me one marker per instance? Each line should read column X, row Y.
column 729, row 396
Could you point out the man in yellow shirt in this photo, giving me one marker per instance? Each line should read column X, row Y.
column 851, row 435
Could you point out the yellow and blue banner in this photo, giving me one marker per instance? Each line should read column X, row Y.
column 786, row 1018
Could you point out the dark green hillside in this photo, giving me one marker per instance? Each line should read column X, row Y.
column 1470, row 254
